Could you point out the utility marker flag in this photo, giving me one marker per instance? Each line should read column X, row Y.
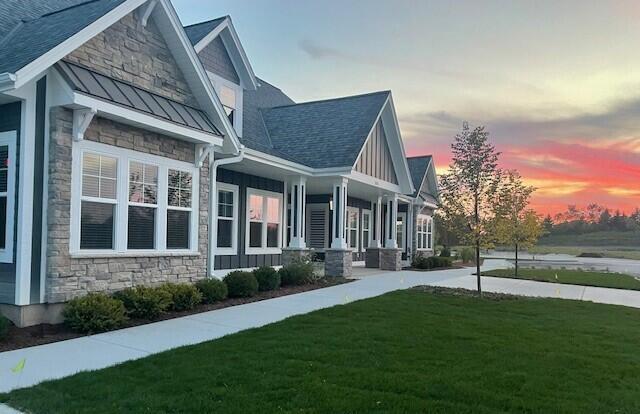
column 18, row 368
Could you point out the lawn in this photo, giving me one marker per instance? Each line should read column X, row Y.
column 616, row 252
column 571, row 277
column 405, row 352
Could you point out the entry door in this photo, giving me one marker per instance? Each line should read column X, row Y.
column 317, row 226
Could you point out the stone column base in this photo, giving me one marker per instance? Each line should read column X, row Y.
column 391, row 259
column 338, row 263
column 294, row 254
column 372, row 257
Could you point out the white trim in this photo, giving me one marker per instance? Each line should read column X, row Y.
column 218, row 82
column 402, row 216
column 366, row 243
column 9, row 139
column 349, row 229
column 266, row 195
column 145, row 12
column 234, row 189
column 375, row 182
column 422, row 236
column 124, row 156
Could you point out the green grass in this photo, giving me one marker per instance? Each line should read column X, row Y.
column 405, row 352
column 616, row 252
column 597, row 238
column 571, row 277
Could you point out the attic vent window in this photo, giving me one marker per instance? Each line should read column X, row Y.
column 228, row 100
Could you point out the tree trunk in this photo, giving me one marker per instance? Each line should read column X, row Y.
column 516, row 260
column 478, row 267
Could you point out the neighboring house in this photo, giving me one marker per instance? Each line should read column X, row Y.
column 136, row 151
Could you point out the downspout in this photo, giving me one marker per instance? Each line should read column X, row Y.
column 213, row 204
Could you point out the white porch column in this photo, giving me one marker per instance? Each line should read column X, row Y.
column 339, row 240
column 298, row 212
column 377, row 219
column 392, row 222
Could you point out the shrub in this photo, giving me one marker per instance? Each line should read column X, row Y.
column 241, row 284
column 4, row 327
column 144, row 302
column 467, row 254
column 95, row 312
column 267, row 277
column 212, row 290
column 296, row 274
column 183, row 296
column 445, row 252
column 432, row 262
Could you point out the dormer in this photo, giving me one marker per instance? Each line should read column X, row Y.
column 226, row 63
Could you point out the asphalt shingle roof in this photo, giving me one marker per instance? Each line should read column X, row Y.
column 418, row 168
column 197, row 32
column 31, row 28
column 324, row 134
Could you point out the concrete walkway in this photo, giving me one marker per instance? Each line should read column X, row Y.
column 65, row 358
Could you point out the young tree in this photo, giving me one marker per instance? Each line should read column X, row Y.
column 548, row 223
column 468, row 190
column 516, row 224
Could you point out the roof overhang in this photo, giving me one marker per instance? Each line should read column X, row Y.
column 231, row 41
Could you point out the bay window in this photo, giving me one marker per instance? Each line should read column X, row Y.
column 264, row 213
column 7, row 193
column 424, row 232
column 126, row 201
column 227, row 219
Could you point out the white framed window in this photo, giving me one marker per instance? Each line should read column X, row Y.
column 424, row 232
column 127, row 202
column 227, row 219
column 7, row 193
column 230, row 95
column 264, row 213
column 400, row 230
column 366, row 228
column 352, row 228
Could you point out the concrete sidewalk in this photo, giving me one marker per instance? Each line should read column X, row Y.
column 65, row 358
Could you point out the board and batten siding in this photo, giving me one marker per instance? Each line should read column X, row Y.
column 375, row 159
column 241, row 260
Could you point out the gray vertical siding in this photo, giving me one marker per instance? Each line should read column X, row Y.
column 375, row 159
column 244, row 181
column 10, row 121
column 38, row 190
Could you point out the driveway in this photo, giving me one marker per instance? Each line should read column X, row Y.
column 99, row 351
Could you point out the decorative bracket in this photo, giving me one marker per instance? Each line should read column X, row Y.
column 81, row 120
column 202, row 150
column 145, row 11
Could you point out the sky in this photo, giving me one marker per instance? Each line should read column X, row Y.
column 556, row 83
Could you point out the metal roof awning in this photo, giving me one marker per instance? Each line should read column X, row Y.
column 114, row 91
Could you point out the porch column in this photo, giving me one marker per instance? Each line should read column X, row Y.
column 392, row 222
column 298, row 213
column 338, row 259
column 339, row 233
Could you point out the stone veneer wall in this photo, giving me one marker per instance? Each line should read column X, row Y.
column 135, row 54
column 68, row 277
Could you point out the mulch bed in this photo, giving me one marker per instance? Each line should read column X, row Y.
column 414, row 269
column 18, row 338
column 445, row 291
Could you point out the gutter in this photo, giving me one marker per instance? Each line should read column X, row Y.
column 213, row 204
column 7, row 81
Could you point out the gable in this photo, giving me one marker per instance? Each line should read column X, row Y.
column 133, row 53
column 375, row 159
column 216, row 59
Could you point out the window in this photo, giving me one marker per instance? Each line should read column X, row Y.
column 366, row 228
column 227, row 219
column 143, row 202
column 7, row 194
column 97, row 210
column 126, row 201
column 178, row 209
column 352, row 228
column 264, row 212
column 228, row 100
column 424, row 231
column 400, row 230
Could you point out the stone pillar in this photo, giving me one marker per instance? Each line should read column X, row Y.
column 292, row 255
column 391, row 259
column 338, row 263
column 392, row 222
column 298, row 213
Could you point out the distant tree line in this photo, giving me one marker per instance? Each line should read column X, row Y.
column 590, row 219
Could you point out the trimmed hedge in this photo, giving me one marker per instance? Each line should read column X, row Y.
column 296, row 274
column 241, row 284
column 431, row 262
column 212, row 290
column 183, row 296
column 267, row 277
column 445, row 252
column 95, row 312
column 467, row 254
column 144, row 302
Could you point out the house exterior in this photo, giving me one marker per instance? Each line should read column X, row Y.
column 137, row 151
